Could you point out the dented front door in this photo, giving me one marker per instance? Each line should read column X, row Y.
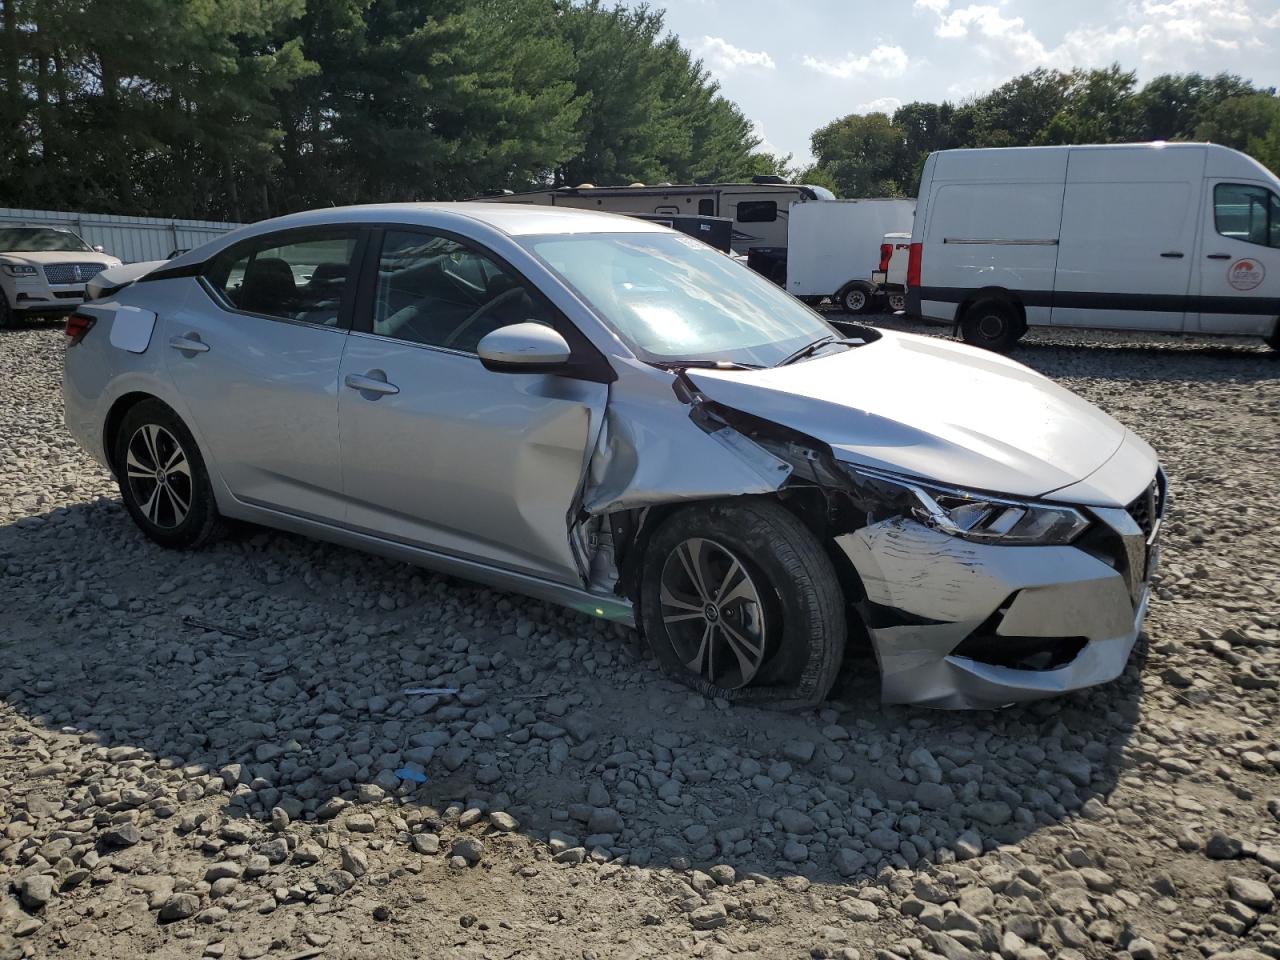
column 476, row 464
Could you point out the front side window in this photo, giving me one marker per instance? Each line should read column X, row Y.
column 436, row 291
column 1246, row 212
column 673, row 298
column 757, row 211
column 300, row 277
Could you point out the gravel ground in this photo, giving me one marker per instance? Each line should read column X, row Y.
column 199, row 752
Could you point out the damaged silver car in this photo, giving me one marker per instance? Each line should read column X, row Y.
column 610, row 415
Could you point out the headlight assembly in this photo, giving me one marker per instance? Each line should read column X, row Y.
column 19, row 270
column 983, row 518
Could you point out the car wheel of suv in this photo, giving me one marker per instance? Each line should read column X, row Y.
column 993, row 325
column 162, row 477
column 856, row 298
column 738, row 600
column 6, row 312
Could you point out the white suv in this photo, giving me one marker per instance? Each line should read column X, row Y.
column 43, row 270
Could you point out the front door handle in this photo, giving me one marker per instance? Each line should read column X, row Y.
column 1172, row 254
column 1219, row 256
column 375, row 382
column 189, row 344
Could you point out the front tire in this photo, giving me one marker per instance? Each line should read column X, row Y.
column 162, row 477
column 993, row 325
column 1273, row 341
column 738, row 600
column 856, row 298
column 7, row 313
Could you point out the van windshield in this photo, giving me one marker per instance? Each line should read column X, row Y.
column 672, row 298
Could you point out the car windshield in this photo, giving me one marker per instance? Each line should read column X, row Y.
column 35, row 239
column 674, row 299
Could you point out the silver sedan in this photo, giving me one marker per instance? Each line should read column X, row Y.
column 606, row 414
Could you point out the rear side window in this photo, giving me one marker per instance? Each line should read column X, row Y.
column 757, row 211
column 1246, row 212
column 303, row 277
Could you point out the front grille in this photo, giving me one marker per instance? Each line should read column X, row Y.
column 1148, row 507
column 68, row 294
column 71, row 272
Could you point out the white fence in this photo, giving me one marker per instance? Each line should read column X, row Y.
column 132, row 239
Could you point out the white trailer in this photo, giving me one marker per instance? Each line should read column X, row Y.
column 833, row 248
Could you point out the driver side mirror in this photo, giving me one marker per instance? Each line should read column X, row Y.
column 99, row 248
column 523, row 348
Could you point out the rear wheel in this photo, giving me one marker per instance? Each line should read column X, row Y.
column 163, row 480
column 856, row 298
column 738, row 600
column 897, row 302
column 992, row 325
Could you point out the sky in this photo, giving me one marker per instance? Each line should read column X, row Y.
column 795, row 65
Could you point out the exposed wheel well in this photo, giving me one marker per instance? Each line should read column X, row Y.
column 115, row 417
column 992, row 293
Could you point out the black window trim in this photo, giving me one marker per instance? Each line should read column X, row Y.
column 283, row 237
column 1274, row 202
column 586, row 362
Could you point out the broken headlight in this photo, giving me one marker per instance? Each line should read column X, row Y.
column 983, row 518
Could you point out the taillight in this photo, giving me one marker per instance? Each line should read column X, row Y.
column 913, row 264
column 886, row 252
column 78, row 324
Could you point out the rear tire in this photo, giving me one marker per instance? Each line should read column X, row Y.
column 993, row 325
column 857, row 298
column 897, row 302
column 162, row 477
column 778, row 638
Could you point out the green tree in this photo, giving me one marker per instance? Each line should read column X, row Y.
column 863, row 154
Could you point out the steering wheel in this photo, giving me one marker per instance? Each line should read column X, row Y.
column 501, row 300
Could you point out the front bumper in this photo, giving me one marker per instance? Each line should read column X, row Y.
column 950, row 620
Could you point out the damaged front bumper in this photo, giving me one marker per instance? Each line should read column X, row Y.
column 963, row 625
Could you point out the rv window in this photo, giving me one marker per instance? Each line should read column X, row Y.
column 757, row 211
column 1247, row 213
column 706, row 207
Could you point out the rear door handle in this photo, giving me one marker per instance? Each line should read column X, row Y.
column 375, row 381
column 1172, row 254
column 189, row 344
column 1219, row 256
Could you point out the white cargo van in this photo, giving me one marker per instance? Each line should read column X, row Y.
column 1173, row 238
column 833, row 248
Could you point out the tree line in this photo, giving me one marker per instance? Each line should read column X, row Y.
column 242, row 109
column 881, row 154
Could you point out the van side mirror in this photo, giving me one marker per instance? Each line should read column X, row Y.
column 523, row 348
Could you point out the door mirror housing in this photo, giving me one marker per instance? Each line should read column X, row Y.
column 524, row 348
column 99, row 248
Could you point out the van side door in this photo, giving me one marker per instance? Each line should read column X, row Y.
column 1128, row 238
column 1239, row 260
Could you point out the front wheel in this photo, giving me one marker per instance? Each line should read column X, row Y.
column 1273, row 341
column 738, row 600
column 6, row 311
column 163, row 480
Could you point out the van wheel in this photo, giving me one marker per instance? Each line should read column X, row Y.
column 856, row 298
column 992, row 325
column 739, row 601
column 1273, row 341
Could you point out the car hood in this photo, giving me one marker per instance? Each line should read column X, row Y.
column 941, row 411
column 37, row 257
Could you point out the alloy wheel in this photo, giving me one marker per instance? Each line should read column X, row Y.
column 159, row 476
column 713, row 614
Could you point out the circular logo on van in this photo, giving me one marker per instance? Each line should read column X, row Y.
column 1246, row 274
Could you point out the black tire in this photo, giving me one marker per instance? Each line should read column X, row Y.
column 153, row 427
column 7, row 313
column 856, row 298
column 992, row 325
column 801, row 604
column 1273, row 341
column 897, row 302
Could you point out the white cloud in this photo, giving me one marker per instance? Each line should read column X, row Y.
column 879, row 105
column 1274, row 21
column 722, row 57
column 885, row 60
column 1161, row 34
